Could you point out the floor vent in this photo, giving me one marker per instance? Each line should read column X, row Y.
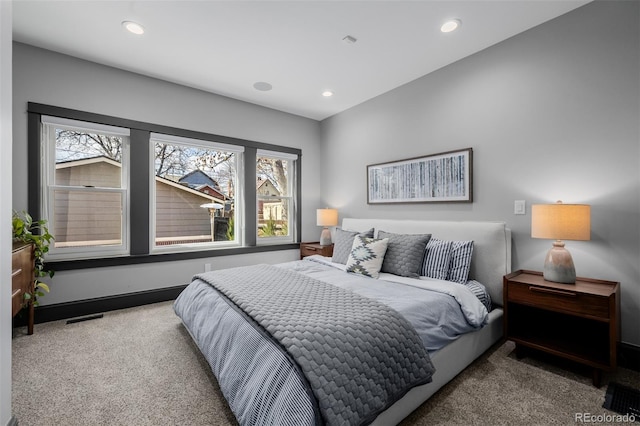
column 87, row 318
column 623, row 400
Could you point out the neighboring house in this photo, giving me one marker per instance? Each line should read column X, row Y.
column 209, row 190
column 197, row 179
column 268, row 210
column 84, row 215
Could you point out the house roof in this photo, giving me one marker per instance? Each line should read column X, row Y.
column 217, row 192
column 189, row 190
column 86, row 161
column 197, row 178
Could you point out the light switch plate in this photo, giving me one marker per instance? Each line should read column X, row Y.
column 519, row 207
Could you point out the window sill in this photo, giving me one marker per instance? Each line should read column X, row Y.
column 69, row 265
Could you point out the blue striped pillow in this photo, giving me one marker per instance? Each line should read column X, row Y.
column 481, row 292
column 461, row 252
column 437, row 256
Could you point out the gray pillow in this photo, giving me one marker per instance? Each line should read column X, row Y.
column 405, row 253
column 342, row 243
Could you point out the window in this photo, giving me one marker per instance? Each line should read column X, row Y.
column 85, row 176
column 194, row 193
column 127, row 192
column 274, row 195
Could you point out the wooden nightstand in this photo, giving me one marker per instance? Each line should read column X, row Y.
column 307, row 249
column 579, row 322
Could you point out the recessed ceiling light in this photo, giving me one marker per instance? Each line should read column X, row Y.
column 450, row 25
column 327, row 93
column 133, row 27
column 262, row 86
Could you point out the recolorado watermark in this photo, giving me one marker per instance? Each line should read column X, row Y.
column 603, row 418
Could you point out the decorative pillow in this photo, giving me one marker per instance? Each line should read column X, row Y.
column 343, row 242
column 461, row 252
column 437, row 257
column 367, row 255
column 481, row 292
column 405, row 253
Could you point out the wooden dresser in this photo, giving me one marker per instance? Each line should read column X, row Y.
column 22, row 279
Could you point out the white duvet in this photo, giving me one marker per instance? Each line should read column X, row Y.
column 440, row 311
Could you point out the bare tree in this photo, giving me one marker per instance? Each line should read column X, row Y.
column 170, row 160
column 76, row 145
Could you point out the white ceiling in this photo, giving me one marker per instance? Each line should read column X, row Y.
column 225, row 47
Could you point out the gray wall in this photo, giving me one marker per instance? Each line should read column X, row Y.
column 551, row 114
column 5, row 211
column 50, row 78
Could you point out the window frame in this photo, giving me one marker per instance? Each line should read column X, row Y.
column 197, row 143
column 49, row 184
column 292, row 160
column 139, row 204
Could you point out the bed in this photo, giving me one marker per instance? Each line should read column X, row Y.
column 274, row 370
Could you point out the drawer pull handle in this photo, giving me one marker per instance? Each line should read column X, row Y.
column 552, row 291
column 16, row 272
column 311, row 248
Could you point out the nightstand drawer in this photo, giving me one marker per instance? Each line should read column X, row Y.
column 17, row 298
column 563, row 300
column 309, row 249
column 21, row 259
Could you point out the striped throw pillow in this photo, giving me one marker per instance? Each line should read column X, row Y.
column 437, row 256
column 461, row 252
column 481, row 292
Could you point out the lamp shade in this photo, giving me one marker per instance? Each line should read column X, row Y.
column 561, row 221
column 327, row 217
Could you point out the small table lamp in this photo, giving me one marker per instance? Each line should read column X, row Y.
column 560, row 222
column 326, row 218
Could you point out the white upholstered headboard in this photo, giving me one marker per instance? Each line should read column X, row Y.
column 491, row 244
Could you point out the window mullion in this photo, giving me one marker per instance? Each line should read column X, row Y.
column 250, row 204
column 139, row 202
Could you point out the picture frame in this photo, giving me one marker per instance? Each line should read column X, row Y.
column 445, row 177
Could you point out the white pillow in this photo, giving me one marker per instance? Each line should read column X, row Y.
column 367, row 255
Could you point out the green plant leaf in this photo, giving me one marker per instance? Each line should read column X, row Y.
column 43, row 286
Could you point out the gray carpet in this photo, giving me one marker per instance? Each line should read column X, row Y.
column 140, row 367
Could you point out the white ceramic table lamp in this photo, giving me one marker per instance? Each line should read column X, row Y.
column 560, row 222
column 326, row 218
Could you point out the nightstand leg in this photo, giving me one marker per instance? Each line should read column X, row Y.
column 30, row 321
column 520, row 351
column 597, row 377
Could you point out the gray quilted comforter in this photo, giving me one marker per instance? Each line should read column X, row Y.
column 357, row 355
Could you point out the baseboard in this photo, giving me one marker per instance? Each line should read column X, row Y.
column 80, row 308
column 629, row 356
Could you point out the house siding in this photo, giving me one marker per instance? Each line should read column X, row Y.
column 178, row 213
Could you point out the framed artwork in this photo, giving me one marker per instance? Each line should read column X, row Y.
column 438, row 178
